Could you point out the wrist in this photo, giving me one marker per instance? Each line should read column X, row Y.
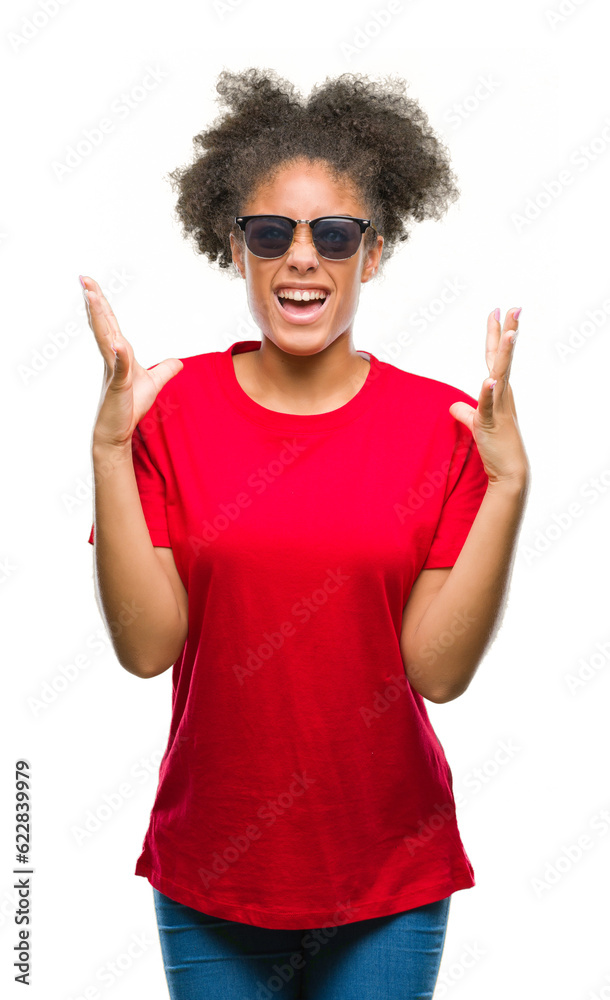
column 516, row 486
column 102, row 450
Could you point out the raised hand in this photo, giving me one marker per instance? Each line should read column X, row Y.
column 128, row 389
column 494, row 422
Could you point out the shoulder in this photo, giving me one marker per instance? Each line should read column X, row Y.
column 194, row 362
column 196, row 365
column 186, row 397
column 422, row 392
column 196, row 368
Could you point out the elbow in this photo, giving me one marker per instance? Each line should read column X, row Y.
column 145, row 671
column 447, row 694
column 428, row 692
column 423, row 685
column 435, row 688
column 145, row 667
column 438, row 695
column 438, row 699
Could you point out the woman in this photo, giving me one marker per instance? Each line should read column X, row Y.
column 316, row 542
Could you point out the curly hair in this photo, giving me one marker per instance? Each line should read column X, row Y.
column 368, row 134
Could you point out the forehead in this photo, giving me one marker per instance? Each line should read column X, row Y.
column 305, row 190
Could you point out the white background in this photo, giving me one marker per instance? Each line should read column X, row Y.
column 112, row 214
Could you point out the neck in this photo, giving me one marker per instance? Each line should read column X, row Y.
column 303, row 383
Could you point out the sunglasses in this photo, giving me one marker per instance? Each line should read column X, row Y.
column 335, row 237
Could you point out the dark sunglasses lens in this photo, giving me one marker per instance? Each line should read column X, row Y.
column 337, row 239
column 269, row 236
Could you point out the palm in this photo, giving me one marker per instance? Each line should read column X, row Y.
column 129, row 390
column 494, row 422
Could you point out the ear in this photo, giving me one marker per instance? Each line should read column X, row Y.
column 237, row 253
column 371, row 264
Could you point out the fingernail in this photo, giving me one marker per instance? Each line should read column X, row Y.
column 80, row 278
column 497, row 315
column 516, row 312
column 491, row 385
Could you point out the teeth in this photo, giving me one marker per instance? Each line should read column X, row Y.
column 298, row 295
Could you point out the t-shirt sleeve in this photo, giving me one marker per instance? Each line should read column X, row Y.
column 151, row 487
column 467, row 482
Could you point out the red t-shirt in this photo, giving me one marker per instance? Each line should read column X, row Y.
column 303, row 784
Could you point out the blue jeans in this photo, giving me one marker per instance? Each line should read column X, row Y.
column 384, row 958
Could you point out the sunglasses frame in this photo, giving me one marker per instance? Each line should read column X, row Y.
column 241, row 221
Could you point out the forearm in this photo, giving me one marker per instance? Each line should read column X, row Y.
column 134, row 592
column 462, row 619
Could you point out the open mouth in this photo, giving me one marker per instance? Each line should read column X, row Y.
column 301, row 312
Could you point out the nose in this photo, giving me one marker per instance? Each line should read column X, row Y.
column 302, row 253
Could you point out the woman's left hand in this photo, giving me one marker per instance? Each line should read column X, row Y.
column 494, row 422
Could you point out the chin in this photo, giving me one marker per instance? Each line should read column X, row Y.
column 301, row 341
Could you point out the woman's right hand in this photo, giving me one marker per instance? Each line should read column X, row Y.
column 128, row 389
